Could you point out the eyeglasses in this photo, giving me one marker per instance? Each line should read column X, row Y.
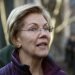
column 48, row 29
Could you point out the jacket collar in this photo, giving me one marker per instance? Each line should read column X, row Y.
column 48, row 65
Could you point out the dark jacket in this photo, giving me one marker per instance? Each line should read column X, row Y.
column 5, row 55
column 15, row 68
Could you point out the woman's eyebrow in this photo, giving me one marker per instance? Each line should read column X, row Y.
column 33, row 24
column 46, row 24
column 36, row 24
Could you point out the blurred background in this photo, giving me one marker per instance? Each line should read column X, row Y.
column 63, row 17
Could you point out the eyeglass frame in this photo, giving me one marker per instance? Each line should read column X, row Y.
column 50, row 29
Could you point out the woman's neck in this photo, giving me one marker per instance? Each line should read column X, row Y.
column 33, row 62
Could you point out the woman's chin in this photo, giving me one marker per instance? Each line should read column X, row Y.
column 42, row 54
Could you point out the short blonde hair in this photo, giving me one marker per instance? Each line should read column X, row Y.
column 14, row 21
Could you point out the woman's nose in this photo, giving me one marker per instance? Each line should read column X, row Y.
column 43, row 34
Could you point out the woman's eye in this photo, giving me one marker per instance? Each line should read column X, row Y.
column 47, row 28
column 32, row 29
column 51, row 29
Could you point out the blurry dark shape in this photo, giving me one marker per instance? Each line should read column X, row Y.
column 9, row 5
column 72, row 28
column 70, row 53
column 5, row 55
column 29, row 1
column 2, row 38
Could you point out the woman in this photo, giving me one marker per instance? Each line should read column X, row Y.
column 31, row 32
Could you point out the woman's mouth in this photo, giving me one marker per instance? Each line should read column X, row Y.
column 42, row 45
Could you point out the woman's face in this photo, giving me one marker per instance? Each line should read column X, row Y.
column 34, row 37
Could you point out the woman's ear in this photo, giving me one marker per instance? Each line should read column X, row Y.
column 16, row 41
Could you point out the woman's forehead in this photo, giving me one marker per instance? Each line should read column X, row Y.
column 35, row 18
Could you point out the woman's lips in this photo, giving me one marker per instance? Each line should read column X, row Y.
column 42, row 44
